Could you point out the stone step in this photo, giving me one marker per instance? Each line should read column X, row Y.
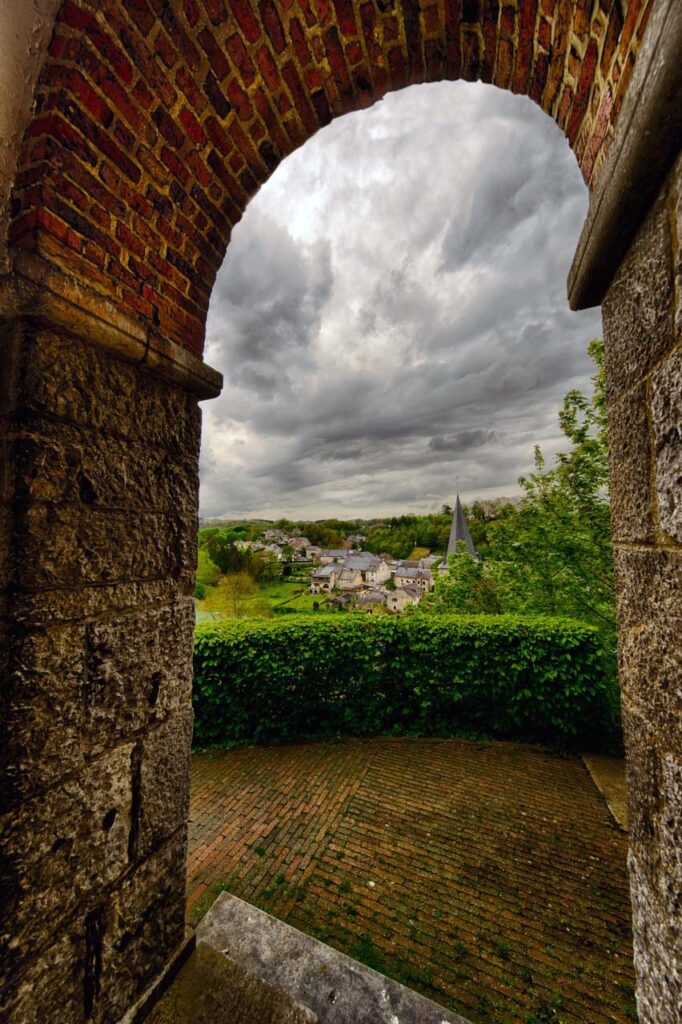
column 250, row 968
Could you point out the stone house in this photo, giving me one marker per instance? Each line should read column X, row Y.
column 372, row 599
column 349, row 579
column 333, row 555
column 398, row 600
column 374, row 570
column 323, row 579
column 420, row 578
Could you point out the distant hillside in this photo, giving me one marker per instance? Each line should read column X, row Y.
column 395, row 535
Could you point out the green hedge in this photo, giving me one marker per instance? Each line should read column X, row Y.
column 299, row 678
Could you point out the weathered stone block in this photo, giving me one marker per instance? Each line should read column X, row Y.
column 636, row 312
column 138, row 669
column 72, row 692
column 666, row 411
column 658, row 951
column 164, row 781
column 68, row 379
column 6, row 524
column 61, row 851
column 70, row 547
column 630, row 465
column 48, row 607
column 57, row 462
column 52, row 987
column 650, row 674
column 677, row 177
column 43, row 709
column 144, row 922
column 649, row 584
column 655, row 863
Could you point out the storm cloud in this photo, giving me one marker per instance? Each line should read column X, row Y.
column 392, row 312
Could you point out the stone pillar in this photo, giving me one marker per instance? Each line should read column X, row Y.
column 642, row 313
column 97, row 544
column 629, row 259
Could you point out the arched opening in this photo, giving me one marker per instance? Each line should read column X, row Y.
column 391, row 312
column 385, row 286
column 152, row 126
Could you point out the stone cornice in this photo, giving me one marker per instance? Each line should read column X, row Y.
column 36, row 290
column 645, row 144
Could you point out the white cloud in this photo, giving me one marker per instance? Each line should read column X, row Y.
column 392, row 311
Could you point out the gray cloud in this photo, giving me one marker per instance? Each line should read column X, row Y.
column 392, row 311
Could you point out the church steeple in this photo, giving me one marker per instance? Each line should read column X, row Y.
column 460, row 532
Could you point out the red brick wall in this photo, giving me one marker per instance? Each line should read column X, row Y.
column 157, row 120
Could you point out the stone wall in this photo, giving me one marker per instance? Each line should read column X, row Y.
column 99, row 520
column 642, row 315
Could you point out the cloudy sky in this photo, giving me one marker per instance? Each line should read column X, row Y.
column 392, row 312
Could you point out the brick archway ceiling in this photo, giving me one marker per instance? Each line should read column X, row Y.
column 157, row 120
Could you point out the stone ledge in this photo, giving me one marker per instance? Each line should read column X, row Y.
column 643, row 150
column 36, row 290
column 333, row 988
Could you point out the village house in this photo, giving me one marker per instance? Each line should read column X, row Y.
column 323, row 579
column 374, row 570
column 349, row 579
column 398, row 600
column 372, row 600
column 333, row 555
column 413, row 576
column 274, row 535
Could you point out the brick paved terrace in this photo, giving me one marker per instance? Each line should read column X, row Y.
column 489, row 877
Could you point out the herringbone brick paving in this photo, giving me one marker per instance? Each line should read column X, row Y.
column 490, row 877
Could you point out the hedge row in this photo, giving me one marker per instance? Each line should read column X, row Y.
column 300, row 678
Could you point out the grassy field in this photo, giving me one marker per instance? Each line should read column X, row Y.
column 263, row 602
column 418, row 553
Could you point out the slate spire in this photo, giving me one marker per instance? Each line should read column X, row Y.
column 460, row 532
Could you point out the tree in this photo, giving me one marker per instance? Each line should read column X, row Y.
column 551, row 553
column 223, row 553
column 265, row 566
column 232, row 597
column 469, row 587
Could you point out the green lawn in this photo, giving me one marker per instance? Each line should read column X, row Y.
column 290, row 594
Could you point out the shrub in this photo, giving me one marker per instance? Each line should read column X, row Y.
column 504, row 676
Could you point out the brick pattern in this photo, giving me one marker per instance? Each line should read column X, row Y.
column 489, row 877
column 156, row 122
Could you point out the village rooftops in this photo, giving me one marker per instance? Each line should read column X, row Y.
column 412, row 573
column 325, row 571
column 363, row 561
column 373, row 597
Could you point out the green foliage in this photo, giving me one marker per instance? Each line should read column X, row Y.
column 551, row 553
column 295, row 678
column 208, row 572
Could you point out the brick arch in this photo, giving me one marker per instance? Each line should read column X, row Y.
column 156, row 121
